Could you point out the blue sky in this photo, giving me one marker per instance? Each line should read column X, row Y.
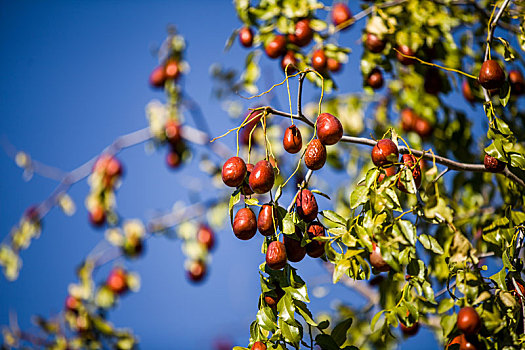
column 74, row 77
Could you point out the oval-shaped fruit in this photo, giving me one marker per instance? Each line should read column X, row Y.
column 258, row 345
column 265, row 222
column 173, row 159
column 409, row 160
column 97, row 216
column 491, row 75
column 306, row 205
column 333, row 65
column 467, row 92
column 517, row 82
column 116, row 281
column 72, row 303
column 340, row 13
column 384, row 153
column 276, row 255
column 432, row 83
column 206, row 236
column 246, row 36
column 246, row 190
column 315, row 249
column 109, row 166
column 315, row 155
column 289, row 61
column 294, row 251
column 253, row 119
column 466, row 343
column 376, row 259
column 423, row 128
column 157, row 77
column 272, row 300
column 233, row 172
column 329, row 129
column 262, row 177
column 374, row 44
column 468, row 321
column 173, row 131
column 196, row 271
column 390, row 171
column 292, row 140
column 408, row 119
column 244, row 224
column 319, row 60
column 172, row 69
column 409, row 331
column 276, row 47
column 407, row 51
column 493, row 165
column 303, row 33
column 375, row 79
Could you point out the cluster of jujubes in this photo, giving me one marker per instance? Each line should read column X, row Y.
column 168, row 71
column 177, row 147
column 469, row 324
column 105, row 175
column 196, row 269
column 410, row 121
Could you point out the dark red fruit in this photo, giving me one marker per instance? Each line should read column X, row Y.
column 329, row 129
column 315, row 155
column 466, row 343
column 246, row 190
column 469, row 321
column 409, row 160
column 407, row 51
column 384, row 153
column 97, row 216
column 292, row 140
column 271, row 300
column 253, row 119
column 303, row 33
column 246, row 36
column 493, row 165
column 290, row 61
column 333, row 65
column 262, row 177
column 340, row 14
column 276, row 255
column 491, row 75
column 157, row 77
column 390, row 171
column 72, row 303
column 196, row 271
column 423, row 128
column 432, row 83
column 376, row 260
column 315, row 249
column 233, row 172
column 265, row 221
column 375, row 79
column 172, row 69
column 306, row 205
column 294, row 251
column 116, row 281
column 408, row 119
column 173, row 132
column 258, row 345
column 173, row 159
column 374, row 43
column 517, row 82
column 409, row 331
column 276, row 47
column 467, row 92
column 319, row 61
column 206, row 236
column 244, row 224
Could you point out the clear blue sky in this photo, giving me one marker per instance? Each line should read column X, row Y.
column 74, row 76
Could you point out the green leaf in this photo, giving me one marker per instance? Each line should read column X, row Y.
column 291, row 333
column 266, row 319
column 304, row 312
column 430, row 243
column 326, row 342
column 499, row 279
column 340, row 269
column 288, row 225
column 409, row 231
column 375, row 319
column 234, row 199
column 251, row 201
column 324, row 324
column 358, row 196
column 339, row 332
column 322, row 194
column 286, row 309
column 333, row 216
column 445, row 305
